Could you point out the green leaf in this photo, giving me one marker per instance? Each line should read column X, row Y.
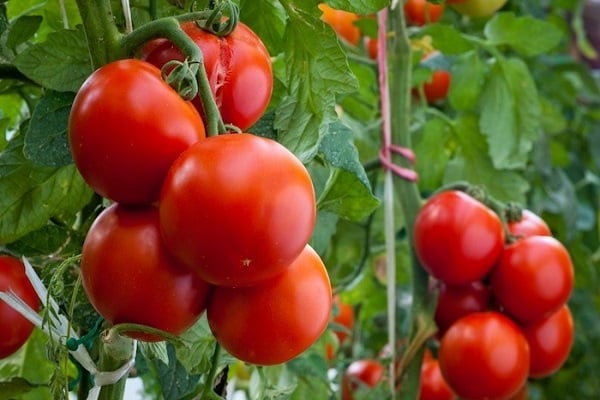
column 472, row 164
column 60, row 63
column 22, row 29
column 359, row 6
column 175, row 380
column 199, row 344
column 155, row 351
column 348, row 190
column 429, row 145
column 46, row 141
column 510, row 113
column 526, row 35
column 447, row 39
column 467, row 81
column 15, row 387
column 31, row 195
column 316, row 72
column 267, row 20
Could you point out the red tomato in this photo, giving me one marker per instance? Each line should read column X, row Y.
column 16, row 329
column 343, row 315
column 276, row 320
column 238, row 67
column 522, row 394
column 533, row 278
column 530, row 224
column 421, row 12
column 237, row 208
column 126, row 128
column 433, row 386
column 361, row 373
column 457, row 238
column 437, row 87
column 129, row 277
column 342, row 23
column 484, row 356
column 550, row 340
column 455, row 302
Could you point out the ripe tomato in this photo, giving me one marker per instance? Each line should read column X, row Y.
column 484, row 356
column 421, row 12
column 533, row 278
column 343, row 315
column 16, row 329
column 437, row 87
column 455, row 302
column 478, row 8
column 276, row 320
column 342, row 23
column 238, row 67
column 530, row 224
column 129, row 277
column 433, row 386
column 550, row 340
column 126, row 128
column 361, row 373
column 237, row 208
column 457, row 238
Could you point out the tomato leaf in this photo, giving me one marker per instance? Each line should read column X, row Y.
column 348, row 190
column 22, row 29
column 316, row 71
column 267, row 20
column 467, row 81
column 46, row 141
column 447, row 39
column 472, row 164
column 195, row 355
column 359, row 6
column 432, row 157
column 510, row 113
column 32, row 194
column 175, row 380
column 60, row 63
column 526, row 35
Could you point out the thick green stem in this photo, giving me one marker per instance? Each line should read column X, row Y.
column 115, row 350
column 101, row 32
column 400, row 75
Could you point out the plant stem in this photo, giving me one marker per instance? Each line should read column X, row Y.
column 115, row 350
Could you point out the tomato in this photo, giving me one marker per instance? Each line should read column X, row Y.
column 436, row 88
column 343, row 315
column 530, row 224
column 342, row 23
column 484, row 356
column 16, row 329
column 533, row 278
column 276, row 320
column 455, row 302
column 457, row 238
column 361, row 373
column 550, row 340
column 126, row 128
column 237, row 208
column 238, row 67
column 522, row 394
column 478, row 8
column 129, row 276
column 433, row 386
column 421, row 12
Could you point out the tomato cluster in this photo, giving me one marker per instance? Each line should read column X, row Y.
column 503, row 288
column 218, row 224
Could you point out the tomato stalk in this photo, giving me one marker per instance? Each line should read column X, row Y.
column 115, row 350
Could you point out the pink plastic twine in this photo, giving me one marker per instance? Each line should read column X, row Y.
column 385, row 154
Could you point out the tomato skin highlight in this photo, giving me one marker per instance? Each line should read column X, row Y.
column 533, row 278
column 484, row 356
column 126, row 127
column 16, row 329
column 364, row 372
column 550, row 340
column 129, row 276
column 457, row 238
column 238, row 67
column 274, row 321
column 237, row 209
column 422, row 12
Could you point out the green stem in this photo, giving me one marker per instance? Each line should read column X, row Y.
column 400, row 67
column 207, row 392
column 115, row 350
column 101, row 32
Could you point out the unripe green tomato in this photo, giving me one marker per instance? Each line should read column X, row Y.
column 479, row 8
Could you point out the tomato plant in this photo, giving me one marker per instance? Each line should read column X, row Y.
column 237, row 209
column 421, row 12
column 238, row 67
column 533, row 278
column 15, row 328
column 276, row 320
column 123, row 255
column 550, row 340
column 478, row 8
column 484, row 356
column 126, row 127
column 366, row 373
column 457, row 238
